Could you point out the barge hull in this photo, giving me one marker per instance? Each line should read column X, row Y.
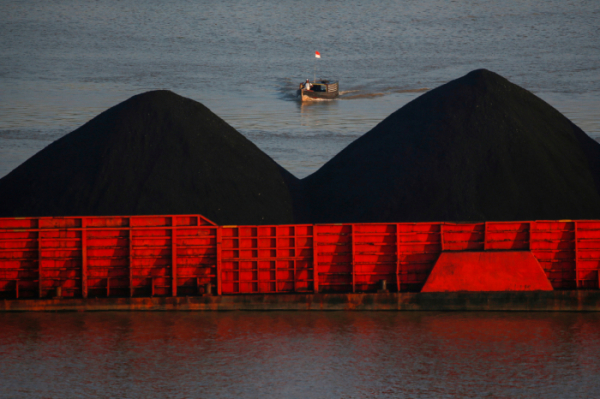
column 542, row 301
column 138, row 258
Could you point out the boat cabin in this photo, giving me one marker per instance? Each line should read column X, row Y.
column 321, row 90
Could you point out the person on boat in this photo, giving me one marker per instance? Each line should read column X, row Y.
column 307, row 85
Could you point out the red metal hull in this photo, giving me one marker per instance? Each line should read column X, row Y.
column 177, row 255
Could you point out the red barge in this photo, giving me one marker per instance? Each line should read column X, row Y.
column 188, row 262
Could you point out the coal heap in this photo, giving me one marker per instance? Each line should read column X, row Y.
column 477, row 148
column 156, row 153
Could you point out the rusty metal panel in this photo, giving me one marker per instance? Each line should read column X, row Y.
column 294, row 247
column 239, row 269
column 137, row 256
column 150, row 262
column 60, row 257
column 267, row 259
column 50, row 223
column 463, row 236
column 507, row 236
column 151, row 257
column 230, row 264
column 418, row 248
column 104, row 255
column 196, row 259
column 588, row 254
column 107, row 256
column 333, row 247
column 40, row 257
column 374, row 256
column 19, row 271
column 553, row 244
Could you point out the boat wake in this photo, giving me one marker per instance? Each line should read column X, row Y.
column 287, row 89
column 420, row 90
column 365, row 94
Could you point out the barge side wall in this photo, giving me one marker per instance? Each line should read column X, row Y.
column 184, row 255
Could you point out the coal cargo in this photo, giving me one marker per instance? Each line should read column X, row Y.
column 477, row 148
column 156, row 153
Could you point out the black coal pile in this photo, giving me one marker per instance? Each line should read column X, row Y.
column 156, row 153
column 477, row 148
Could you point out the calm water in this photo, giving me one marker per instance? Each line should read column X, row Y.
column 65, row 61
column 299, row 355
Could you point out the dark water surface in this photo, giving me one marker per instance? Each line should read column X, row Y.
column 299, row 355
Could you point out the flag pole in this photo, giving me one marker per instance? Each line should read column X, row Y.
column 317, row 55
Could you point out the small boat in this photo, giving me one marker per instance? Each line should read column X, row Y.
column 321, row 90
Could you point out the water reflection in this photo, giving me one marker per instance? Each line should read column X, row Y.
column 319, row 113
column 299, row 355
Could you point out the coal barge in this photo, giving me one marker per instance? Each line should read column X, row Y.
column 187, row 262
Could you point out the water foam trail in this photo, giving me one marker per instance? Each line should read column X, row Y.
column 420, row 90
column 360, row 94
column 287, row 91
column 364, row 95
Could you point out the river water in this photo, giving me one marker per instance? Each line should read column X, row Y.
column 299, row 355
column 65, row 61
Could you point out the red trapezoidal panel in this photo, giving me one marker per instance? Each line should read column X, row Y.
column 487, row 271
